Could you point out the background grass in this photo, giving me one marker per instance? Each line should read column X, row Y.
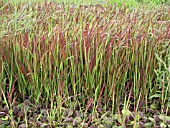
column 130, row 2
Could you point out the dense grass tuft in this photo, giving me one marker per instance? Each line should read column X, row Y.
column 93, row 55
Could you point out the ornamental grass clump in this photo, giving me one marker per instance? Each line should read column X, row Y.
column 92, row 56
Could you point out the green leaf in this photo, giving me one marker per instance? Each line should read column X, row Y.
column 155, row 96
column 137, row 116
column 5, row 118
column 149, row 124
column 163, row 125
column 153, row 106
column 116, row 116
column 126, row 112
column 164, row 117
column 151, row 119
column 131, row 123
column 4, row 6
column 169, row 104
